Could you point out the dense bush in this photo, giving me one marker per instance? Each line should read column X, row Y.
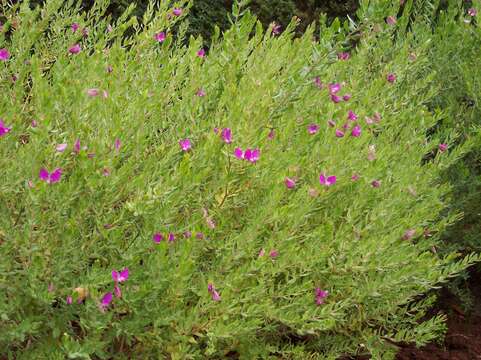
column 256, row 255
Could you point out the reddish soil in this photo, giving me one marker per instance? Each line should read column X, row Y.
column 463, row 339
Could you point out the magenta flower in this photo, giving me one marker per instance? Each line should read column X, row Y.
column 409, row 234
column 238, row 153
column 215, row 295
column 271, row 134
column 157, row 238
column 93, row 92
column 160, row 37
column 347, row 97
column 50, row 178
column 227, row 135
column 75, row 49
column 76, row 146
column 117, row 144
column 376, row 184
column 3, row 128
column 69, row 300
column 320, row 296
column 313, row 128
column 177, row 11
column 318, row 83
column 443, row 147
column 391, row 78
column 327, row 180
column 339, row 133
column 4, row 54
column 331, row 123
column 200, row 93
column 201, row 53
column 472, row 12
column 61, row 147
column 273, row 254
column 352, row 116
column 185, row 144
column 334, row 88
column 391, row 20
column 335, row 98
column 252, row 155
column 216, row 130
column 343, row 56
column 106, row 300
column 355, row 177
column 74, row 27
column 171, row 237
column 117, row 291
column 356, row 131
column 120, row 276
column 290, row 183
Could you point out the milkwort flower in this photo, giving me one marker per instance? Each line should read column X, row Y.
column 472, row 12
column 290, row 183
column 201, row 53
column 339, row 133
column 391, row 20
column 334, row 88
column 75, row 49
column 249, row 155
column 391, row 78
column 313, row 128
column 213, row 292
column 356, row 131
column 177, row 11
column 320, row 295
column 106, row 300
column 4, row 54
column 327, row 180
column 352, row 116
column 443, row 147
column 120, row 276
column 200, row 92
column 343, row 56
column 185, row 144
column 3, row 128
column 227, row 135
column 50, row 178
column 157, row 238
column 160, row 36
column 74, row 27
column 61, row 147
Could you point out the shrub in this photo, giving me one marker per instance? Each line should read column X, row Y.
column 226, row 254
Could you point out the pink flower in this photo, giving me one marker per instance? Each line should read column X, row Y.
column 93, row 92
column 3, row 128
column 339, row 133
column 117, row 291
column 472, row 12
column 110, row 69
column 185, row 144
column 334, row 88
column 177, row 11
column 227, row 135
column 171, row 237
column 409, row 234
column 376, row 184
column 215, row 295
column 76, row 146
column 120, row 276
column 327, row 180
column 347, row 97
column 238, row 153
column 200, row 93
column 75, row 49
column 262, row 252
column 106, row 300
column 391, row 20
column 313, row 128
column 252, row 155
column 343, row 56
column 106, row 172
column 352, row 116
column 355, row 177
column 160, row 37
column 4, row 54
column 50, row 178
column 34, row 124
column 74, row 27
column 273, row 254
column 50, row 288
column 85, row 32
column 69, row 300
column 61, row 147
column 335, row 99
column 391, row 78
column 271, row 134
column 157, row 238
column 290, row 183
column 356, row 131
column 331, row 123
column 320, row 296
column 276, row 28
column 199, row 236
column 201, row 53
column 318, row 83
column 117, row 144
column 443, row 147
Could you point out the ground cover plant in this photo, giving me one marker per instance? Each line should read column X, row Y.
column 269, row 197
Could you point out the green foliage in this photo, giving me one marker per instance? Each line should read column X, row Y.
column 346, row 239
